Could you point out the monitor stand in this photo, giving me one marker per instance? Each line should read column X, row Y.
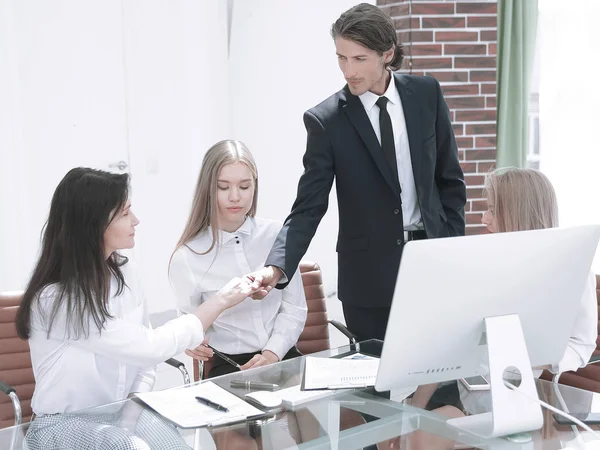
column 512, row 412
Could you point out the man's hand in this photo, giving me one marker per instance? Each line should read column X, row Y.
column 267, row 278
column 201, row 353
column 267, row 357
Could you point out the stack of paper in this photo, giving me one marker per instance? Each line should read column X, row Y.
column 181, row 407
column 330, row 373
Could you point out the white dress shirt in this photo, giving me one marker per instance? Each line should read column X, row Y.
column 73, row 374
column 582, row 342
column 411, row 212
column 274, row 323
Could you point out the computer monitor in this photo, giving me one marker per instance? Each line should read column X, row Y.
column 447, row 287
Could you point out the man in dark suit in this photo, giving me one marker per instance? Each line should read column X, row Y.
column 388, row 141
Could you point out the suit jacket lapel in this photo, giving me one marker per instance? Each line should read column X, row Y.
column 410, row 106
column 358, row 116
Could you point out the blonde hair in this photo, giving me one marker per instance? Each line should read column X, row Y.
column 204, row 205
column 523, row 199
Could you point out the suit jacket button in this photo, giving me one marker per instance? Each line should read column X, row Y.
column 396, row 211
column 398, row 241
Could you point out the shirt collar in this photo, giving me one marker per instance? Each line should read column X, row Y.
column 369, row 99
column 246, row 228
column 202, row 242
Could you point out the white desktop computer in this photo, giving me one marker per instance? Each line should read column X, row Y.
column 475, row 305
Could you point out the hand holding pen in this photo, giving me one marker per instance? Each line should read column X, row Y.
column 202, row 353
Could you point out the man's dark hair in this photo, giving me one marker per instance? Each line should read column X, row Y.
column 369, row 26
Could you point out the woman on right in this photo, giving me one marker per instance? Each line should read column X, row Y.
column 524, row 199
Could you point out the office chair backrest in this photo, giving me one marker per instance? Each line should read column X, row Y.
column 15, row 361
column 587, row 377
column 315, row 336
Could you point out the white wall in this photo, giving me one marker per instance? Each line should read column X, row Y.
column 152, row 83
column 569, row 114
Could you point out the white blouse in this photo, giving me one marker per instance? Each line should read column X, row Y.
column 73, row 374
column 274, row 323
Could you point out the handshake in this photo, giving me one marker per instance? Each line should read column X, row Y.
column 256, row 285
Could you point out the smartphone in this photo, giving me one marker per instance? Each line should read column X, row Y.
column 477, row 383
column 589, row 418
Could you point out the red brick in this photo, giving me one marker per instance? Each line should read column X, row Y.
column 461, row 155
column 424, row 50
column 474, row 180
column 485, row 142
column 482, row 128
column 485, row 167
column 473, row 218
column 476, row 8
column 468, row 167
column 399, row 10
column 480, row 154
column 478, row 205
column 492, row 49
column 404, row 23
column 456, row 36
column 460, row 89
column 488, row 88
column 415, row 36
column 465, row 102
column 472, row 230
column 465, row 49
column 387, row 2
column 458, row 129
column 488, row 35
column 453, row 76
column 443, row 22
column 464, row 142
column 431, row 63
column 490, row 102
column 483, row 75
column 474, row 62
column 433, row 9
column 474, row 192
column 482, row 22
column 476, row 115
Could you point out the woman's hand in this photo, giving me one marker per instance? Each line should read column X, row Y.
column 267, row 357
column 238, row 290
column 201, row 353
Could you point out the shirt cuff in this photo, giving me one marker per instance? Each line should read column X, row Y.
column 277, row 345
column 189, row 332
column 144, row 382
column 570, row 361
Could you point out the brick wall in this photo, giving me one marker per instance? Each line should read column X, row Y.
column 455, row 42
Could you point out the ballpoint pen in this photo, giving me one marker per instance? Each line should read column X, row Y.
column 254, row 385
column 224, row 357
column 212, row 404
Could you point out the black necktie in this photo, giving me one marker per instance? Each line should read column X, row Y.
column 387, row 137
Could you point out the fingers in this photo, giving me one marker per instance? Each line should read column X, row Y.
column 201, row 353
column 262, row 293
column 254, row 362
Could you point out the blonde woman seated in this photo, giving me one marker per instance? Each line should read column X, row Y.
column 524, row 199
column 223, row 239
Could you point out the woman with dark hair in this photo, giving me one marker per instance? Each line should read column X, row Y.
column 85, row 315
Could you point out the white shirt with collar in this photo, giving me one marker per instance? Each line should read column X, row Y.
column 74, row 374
column 274, row 323
column 411, row 213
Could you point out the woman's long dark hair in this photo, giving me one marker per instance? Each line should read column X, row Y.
column 73, row 254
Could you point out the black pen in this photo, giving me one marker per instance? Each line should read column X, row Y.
column 224, row 357
column 212, row 404
column 254, row 385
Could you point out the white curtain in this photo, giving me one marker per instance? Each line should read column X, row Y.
column 570, row 107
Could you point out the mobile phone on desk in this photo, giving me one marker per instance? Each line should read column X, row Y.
column 589, row 418
column 476, row 383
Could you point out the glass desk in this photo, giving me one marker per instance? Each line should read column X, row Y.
column 347, row 420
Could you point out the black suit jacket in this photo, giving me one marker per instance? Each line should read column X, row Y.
column 342, row 144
